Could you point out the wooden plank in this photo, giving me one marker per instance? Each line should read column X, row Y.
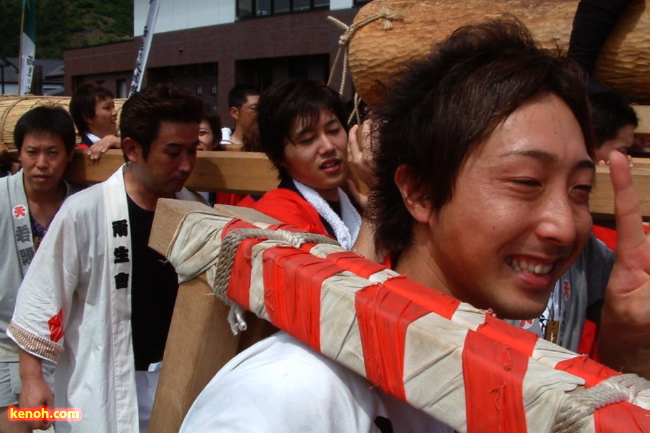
column 239, row 172
column 200, row 341
column 252, row 173
column 601, row 202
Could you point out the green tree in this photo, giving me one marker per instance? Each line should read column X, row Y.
column 65, row 24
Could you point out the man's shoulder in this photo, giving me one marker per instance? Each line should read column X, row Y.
column 280, row 196
column 282, row 356
column 85, row 201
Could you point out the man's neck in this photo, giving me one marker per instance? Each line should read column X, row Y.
column 50, row 196
column 417, row 263
column 236, row 137
column 139, row 193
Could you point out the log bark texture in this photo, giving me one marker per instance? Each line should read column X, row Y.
column 380, row 48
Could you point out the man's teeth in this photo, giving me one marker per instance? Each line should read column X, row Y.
column 330, row 164
column 535, row 268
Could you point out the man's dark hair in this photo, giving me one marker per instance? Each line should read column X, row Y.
column 609, row 113
column 83, row 101
column 211, row 116
column 239, row 94
column 438, row 110
column 144, row 111
column 51, row 119
column 283, row 104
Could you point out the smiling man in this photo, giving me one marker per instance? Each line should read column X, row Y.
column 100, row 301
column 483, row 175
column 92, row 108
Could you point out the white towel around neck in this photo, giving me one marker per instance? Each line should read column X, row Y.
column 346, row 227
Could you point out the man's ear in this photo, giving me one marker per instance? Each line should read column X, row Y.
column 234, row 113
column 89, row 120
column 132, row 150
column 419, row 208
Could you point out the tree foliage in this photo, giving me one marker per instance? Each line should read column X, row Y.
column 65, row 24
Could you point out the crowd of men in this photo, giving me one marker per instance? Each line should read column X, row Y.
column 483, row 160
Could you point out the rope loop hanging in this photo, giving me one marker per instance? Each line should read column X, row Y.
column 387, row 14
column 226, row 260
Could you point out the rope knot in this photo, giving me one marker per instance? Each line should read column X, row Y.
column 576, row 409
column 226, row 260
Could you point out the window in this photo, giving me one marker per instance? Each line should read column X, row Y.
column 262, row 8
column 121, row 88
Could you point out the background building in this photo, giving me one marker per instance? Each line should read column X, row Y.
column 208, row 46
column 49, row 76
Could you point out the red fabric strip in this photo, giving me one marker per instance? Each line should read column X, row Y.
column 239, row 284
column 517, row 338
column 240, row 277
column 621, row 417
column 293, row 282
column 591, row 371
column 384, row 317
column 493, row 374
column 431, row 300
column 355, row 263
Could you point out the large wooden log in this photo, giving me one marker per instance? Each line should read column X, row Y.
column 446, row 357
column 376, row 51
column 12, row 107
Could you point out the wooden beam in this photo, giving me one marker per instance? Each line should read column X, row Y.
column 239, row 172
column 602, row 199
column 252, row 173
column 200, row 341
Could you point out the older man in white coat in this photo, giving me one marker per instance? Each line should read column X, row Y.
column 97, row 301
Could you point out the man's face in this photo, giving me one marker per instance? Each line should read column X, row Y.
column 247, row 113
column 519, row 216
column 171, row 159
column 105, row 121
column 318, row 155
column 206, row 136
column 44, row 159
column 622, row 142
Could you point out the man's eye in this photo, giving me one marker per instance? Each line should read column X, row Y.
column 584, row 188
column 528, row 182
column 581, row 193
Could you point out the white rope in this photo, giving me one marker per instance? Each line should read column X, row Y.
column 578, row 407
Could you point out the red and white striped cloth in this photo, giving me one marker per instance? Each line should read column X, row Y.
column 459, row 364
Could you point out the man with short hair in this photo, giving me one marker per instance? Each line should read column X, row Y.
column 242, row 100
column 92, row 108
column 45, row 139
column 614, row 123
column 97, row 300
column 483, row 175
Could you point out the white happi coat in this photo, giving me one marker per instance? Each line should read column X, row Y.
column 74, row 308
column 17, row 238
